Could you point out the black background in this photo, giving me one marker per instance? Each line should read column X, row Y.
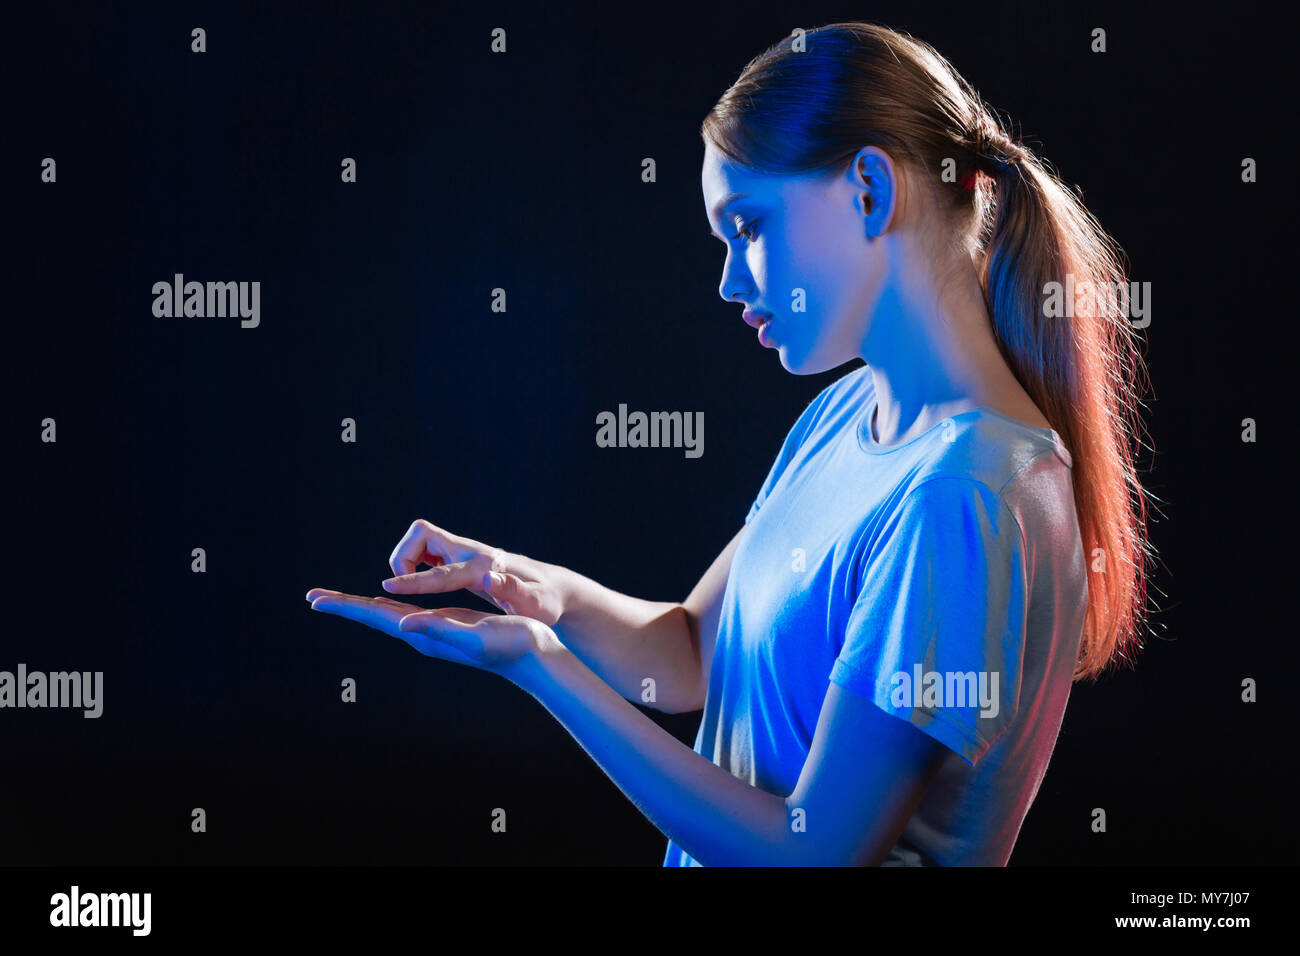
column 522, row 171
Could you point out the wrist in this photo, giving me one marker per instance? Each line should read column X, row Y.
column 552, row 581
column 532, row 670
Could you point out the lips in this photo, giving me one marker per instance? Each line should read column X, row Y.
column 755, row 319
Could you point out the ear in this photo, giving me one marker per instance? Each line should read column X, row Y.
column 876, row 187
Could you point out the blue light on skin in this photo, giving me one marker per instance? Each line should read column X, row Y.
column 892, row 282
column 888, row 283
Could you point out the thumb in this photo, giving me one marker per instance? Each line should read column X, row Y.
column 516, row 596
column 504, row 589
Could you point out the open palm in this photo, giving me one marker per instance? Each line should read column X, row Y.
column 491, row 642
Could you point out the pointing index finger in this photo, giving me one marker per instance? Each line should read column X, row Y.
column 446, row 577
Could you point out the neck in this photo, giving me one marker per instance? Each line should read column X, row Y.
column 930, row 346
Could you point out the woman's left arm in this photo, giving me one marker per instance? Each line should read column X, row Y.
column 863, row 778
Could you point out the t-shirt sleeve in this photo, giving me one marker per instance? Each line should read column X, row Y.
column 793, row 439
column 936, row 636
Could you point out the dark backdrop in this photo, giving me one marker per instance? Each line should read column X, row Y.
column 522, row 172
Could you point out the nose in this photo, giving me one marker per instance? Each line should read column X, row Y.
column 733, row 286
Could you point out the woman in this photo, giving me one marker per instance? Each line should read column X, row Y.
column 950, row 535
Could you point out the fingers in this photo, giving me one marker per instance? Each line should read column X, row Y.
column 385, row 614
column 516, row 596
column 428, row 642
column 446, row 577
column 453, row 630
column 382, row 616
column 493, row 641
column 423, row 543
column 399, row 606
column 461, row 615
column 315, row 593
column 505, row 591
column 337, row 601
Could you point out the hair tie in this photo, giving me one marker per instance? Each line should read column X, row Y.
column 995, row 152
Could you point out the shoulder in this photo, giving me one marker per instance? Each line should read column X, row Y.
column 982, row 463
column 994, row 451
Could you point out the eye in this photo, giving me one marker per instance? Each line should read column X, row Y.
column 746, row 231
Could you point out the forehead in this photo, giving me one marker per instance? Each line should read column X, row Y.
column 720, row 177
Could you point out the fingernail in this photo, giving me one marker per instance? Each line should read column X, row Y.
column 388, row 583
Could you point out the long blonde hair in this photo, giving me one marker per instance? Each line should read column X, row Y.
column 795, row 111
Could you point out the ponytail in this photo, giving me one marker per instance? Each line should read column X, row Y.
column 1046, row 254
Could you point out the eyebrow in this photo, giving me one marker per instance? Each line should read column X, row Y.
column 724, row 202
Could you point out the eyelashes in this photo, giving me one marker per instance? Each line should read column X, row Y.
column 746, row 231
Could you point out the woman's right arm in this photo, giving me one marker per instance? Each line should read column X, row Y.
column 626, row 639
column 623, row 639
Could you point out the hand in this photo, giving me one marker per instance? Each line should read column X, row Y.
column 496, row 576
column 499, row 643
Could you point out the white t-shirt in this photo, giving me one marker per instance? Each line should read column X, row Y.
column 951, row 566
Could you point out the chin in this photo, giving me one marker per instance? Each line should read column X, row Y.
column 805, row 364
column 799, row 369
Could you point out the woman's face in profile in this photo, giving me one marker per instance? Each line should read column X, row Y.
column 796, row 248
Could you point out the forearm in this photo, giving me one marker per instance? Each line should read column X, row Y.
column 625, row 639
column 715, row 817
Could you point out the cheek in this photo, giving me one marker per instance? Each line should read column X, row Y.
column 825, row 295
column 822, row 263
column 846, row 275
